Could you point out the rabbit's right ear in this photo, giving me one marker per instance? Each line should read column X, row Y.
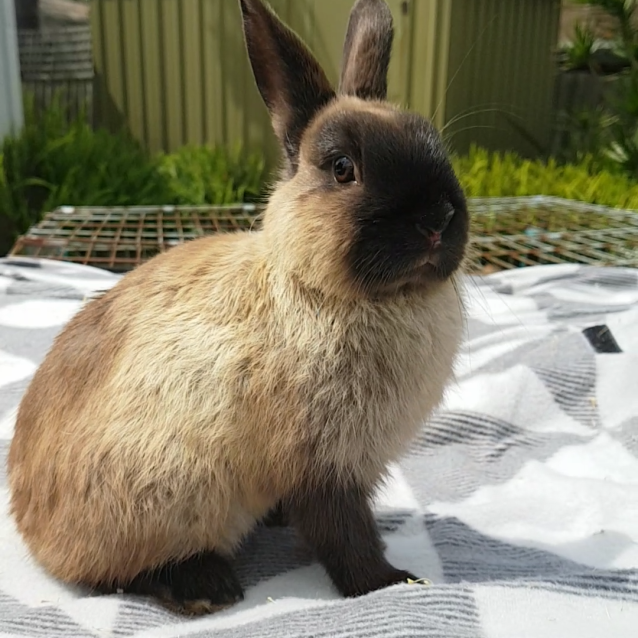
column 366, row 53
column 290, row 80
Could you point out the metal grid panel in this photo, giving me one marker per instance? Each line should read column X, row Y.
column 119, row 239
column 506, row 233
column 527, row 231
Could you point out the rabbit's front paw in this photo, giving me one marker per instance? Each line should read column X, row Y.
column 367, row 583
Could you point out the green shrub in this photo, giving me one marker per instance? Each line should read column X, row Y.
column 199, row 175
column 621, row 127
column 579, row 52
column 485, row 174
column 52, row 162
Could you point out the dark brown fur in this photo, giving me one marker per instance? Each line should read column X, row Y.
column 336, row 520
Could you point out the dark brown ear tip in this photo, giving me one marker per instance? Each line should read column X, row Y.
column 378, row 9
column 253, row 7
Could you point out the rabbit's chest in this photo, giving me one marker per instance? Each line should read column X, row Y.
column 369, row 391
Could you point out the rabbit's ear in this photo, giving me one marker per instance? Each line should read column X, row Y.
column 366, row 53
column 290, row 80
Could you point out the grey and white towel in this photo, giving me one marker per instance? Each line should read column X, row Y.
column 519, row 500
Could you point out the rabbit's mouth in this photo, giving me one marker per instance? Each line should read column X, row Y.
column 432, row 258
column 389, row 256
column 433, row 267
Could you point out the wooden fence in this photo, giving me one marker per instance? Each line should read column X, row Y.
column 176, row 71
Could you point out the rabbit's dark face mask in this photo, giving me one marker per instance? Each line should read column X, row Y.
column 386, row 174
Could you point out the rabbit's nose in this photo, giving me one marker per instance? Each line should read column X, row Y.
column 435, row 221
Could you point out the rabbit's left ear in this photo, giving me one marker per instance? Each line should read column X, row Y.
column 291, row 82
column 366, row 53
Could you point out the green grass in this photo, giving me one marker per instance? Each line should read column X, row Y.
column 199, row 175
column 485, row 174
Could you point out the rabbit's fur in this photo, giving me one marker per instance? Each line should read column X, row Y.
column 233, row 373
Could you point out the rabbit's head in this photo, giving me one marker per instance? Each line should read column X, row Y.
column 368, row 202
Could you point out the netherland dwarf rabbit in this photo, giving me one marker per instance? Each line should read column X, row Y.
column 285, row 367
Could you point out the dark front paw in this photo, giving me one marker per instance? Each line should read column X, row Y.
column 361, row 584
column 397, row 576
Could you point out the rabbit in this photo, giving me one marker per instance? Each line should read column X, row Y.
column 284, row 368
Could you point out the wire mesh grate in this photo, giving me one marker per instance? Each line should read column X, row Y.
column 506, row 233
column 119, row 239
column 529, row 231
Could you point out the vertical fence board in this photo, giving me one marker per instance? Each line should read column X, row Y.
column 235, row 75
column 114, row 61
column 500, row 75
column 400, row 63
column 212, row 71
column 425, row 53
column 192, row 101
column 132, row 70
column 330, row 24
column 149, row 44
column 173, row 71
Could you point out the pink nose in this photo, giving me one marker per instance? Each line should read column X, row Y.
column 433, row 236
column 435, row 221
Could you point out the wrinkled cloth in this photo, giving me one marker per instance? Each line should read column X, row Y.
column 518, row 501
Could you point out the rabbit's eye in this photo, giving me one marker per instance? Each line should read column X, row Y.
column 343, row 170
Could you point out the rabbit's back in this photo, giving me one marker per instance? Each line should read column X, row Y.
column 122, row 419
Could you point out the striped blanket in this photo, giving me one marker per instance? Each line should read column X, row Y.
column 519, row 500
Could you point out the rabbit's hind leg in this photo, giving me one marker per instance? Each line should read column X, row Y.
column 202, row 584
